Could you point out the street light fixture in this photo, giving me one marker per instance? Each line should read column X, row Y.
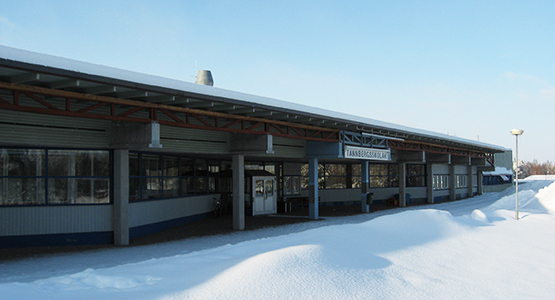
column 516, row 133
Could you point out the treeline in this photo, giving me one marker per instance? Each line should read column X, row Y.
column 535, row 168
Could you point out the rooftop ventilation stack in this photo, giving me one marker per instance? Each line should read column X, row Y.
column 204, row 77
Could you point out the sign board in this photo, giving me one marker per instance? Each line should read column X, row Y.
column 367, row 153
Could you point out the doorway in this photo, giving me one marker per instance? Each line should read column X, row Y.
column 264, row 200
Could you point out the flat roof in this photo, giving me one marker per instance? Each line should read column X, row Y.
column 31, row 68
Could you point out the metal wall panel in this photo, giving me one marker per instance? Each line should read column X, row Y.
column 440, row 169
column 27, row 220
column 291, row 148
column 150, row 212
column 186, row 140
column 18, row 128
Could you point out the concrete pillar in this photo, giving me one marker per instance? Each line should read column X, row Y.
column 402, row 184
column 480, row 182
column 430, row 183
column 452, row 182
column 313, row 188
column 120, row 216
column 238, row 169
column 470, row 182
column 364, row 186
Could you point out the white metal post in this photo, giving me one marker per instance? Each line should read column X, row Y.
column 516, row 133
column 516, row 177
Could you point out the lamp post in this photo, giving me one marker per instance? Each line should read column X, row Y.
column 516, row 133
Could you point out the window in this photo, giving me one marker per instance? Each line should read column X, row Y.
column 154, row 176
column 416, row 175
column 440, row 182
column 461, row 181
column 354, row 180
column 291, row 185
column 330, row 176
column 335, row 176
column 54, row 176
column 383, row 175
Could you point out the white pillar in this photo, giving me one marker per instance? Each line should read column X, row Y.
column 430, row 183
column 470, row 182
column 480, row 182
column 313, row 188
column 121, row 197
column 364, row 186
column 452, row 182
column 402, row 184
column 238, row 168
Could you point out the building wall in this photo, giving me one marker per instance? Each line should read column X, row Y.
column 22, row 129
column 342, row 196
column 148, row 212
column 28, row 220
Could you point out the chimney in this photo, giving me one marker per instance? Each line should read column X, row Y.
column 204, row 77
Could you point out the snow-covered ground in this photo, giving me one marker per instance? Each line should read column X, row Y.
column 469, row 249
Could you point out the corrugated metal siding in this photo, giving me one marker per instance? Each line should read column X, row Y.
column 293, row 148
column 188, row 140
column 20, row 128
column 150, row 212
column 55, row 219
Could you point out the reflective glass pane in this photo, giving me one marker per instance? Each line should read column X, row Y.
column 187, row 167
column 134, row 189
column 259, row 187
column 92, row 191
column 22, row 191
column 134, row 166
column 171, row 166
column 171, row 186
column 269, row 187
column 61, row 163
column 151, row 165
column 22, row 162
column 60, row 190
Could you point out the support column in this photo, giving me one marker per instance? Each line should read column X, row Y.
column 238, row 168
column 313, row 188
column 470, row 182
column 452, row 182
column 120, row 218
column 364, row 186
column 480, row 182
column 402, row 184
column 430, row 183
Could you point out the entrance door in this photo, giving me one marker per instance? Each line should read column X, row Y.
column 264, row 195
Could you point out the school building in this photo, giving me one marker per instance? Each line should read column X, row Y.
column 93, row 154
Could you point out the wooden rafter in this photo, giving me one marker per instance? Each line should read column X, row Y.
column 65, row 103
column 415, row 146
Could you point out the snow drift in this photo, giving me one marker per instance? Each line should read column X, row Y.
column 414, row 254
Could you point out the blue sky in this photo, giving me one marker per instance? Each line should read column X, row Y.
column 472, row 69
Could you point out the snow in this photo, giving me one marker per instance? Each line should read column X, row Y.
column 40, row 59
column 468, row 249
column 499, row 171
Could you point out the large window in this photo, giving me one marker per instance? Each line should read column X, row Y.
column 354, row 173
column 341, row 176
column 330, row 176
column 153, row 176
column 335, row 176
column 461, row 181
column 416, row 175
column 383, row 175
column 52, row 176
column 440, row 182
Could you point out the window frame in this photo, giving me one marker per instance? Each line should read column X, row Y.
column 75, row 183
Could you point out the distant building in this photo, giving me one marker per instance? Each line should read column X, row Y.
column 92, row 154
column 502, row 176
